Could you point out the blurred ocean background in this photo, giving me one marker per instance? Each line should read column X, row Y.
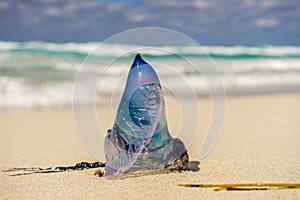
column 42, row 75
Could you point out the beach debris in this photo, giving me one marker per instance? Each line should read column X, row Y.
column 139, row 139
column 20, row 171
column 245, row 186
column 99, row 172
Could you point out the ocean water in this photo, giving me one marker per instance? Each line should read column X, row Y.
column 42, row 75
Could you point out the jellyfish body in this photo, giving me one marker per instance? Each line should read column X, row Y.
column 139, row 138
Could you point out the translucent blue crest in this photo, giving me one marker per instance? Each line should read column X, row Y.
column 139, row 138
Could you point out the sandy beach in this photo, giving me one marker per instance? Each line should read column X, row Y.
column 260, row 143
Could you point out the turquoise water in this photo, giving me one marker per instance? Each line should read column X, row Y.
column 39, row 74
column 81, row 50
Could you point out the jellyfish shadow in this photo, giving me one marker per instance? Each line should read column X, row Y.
column 194, row 166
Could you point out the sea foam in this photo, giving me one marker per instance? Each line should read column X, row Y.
column 40, row 74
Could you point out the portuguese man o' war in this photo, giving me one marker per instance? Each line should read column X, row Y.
column 139, row 139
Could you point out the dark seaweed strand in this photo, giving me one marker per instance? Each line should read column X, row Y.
column 245, row 186
column 81, row 166
column 35, row 170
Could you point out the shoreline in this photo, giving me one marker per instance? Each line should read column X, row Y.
column 39, row 108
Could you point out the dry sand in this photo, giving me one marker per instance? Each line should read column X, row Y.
column 260, row 143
